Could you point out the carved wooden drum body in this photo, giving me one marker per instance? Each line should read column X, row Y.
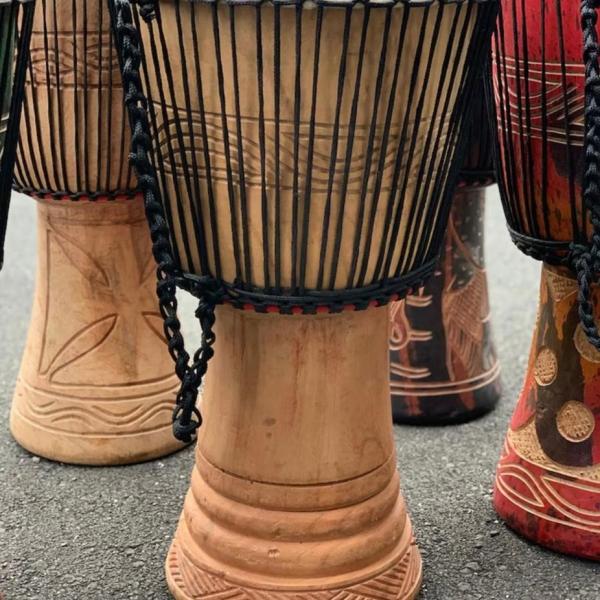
column 443, row 364
column 548, row 479
column 15, row 35
column 96, row 383
column 304, row 156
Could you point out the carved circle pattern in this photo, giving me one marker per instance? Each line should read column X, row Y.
column 575, row 421
column 546, row 367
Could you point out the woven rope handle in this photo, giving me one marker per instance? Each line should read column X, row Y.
column 186, row 416
column 585, row 258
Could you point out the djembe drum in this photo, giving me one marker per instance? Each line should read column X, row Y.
column 548, row 480
column 96, row 384
column 15, row 35
column 305, row 156
column 443, row 364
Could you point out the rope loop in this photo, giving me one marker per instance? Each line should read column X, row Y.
column 147, row 9
column 186, row 416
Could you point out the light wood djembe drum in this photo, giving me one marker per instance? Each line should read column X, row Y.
column 548, row 480
column 443, row 363
column 96, row 384
column 15, row 35
column 305, row 157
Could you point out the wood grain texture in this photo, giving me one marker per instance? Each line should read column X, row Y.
column 295, row 492
column 96, row 384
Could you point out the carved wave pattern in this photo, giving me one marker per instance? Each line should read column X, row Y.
column 399, row 582
column 94, row 418
column 544, row 495
column 179, row 143
column 70, row 60
column 558, row 100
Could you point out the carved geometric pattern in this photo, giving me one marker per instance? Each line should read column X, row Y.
column 100, row 68
column 175, row 144
column 399, row 582
column 525, row 443
column 464, row 314
column 559, row 286
column 97, row 365
column 558, row 118
column 575, row 421
column 547, row 495
column 546, row 367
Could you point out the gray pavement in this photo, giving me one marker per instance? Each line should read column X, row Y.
column 102, row 533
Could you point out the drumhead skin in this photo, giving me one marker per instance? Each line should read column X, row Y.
column 311, row 168
column 548, row 480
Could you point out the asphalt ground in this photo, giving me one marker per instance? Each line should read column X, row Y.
column 78, row 533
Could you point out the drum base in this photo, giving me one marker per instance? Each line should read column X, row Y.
column 444, row 367
column 96, row 384
column 449, row 409
column 401, row 581
column 295, row 492
column 550, row 508
column 548, row 481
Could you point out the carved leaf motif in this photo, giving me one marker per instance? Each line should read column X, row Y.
column 83, row 342
column 81, row 260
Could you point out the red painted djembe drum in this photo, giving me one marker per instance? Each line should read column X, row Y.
column 443, row 363
column 548, row 480
column 305, row 155
column 15, row 35
column 96, row 384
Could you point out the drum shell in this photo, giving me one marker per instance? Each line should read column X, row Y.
column 74, row 132
column 252, row 238
column 539, row 80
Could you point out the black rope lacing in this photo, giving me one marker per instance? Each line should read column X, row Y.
column 8, row 153
column 585, row 258
column 186, row 416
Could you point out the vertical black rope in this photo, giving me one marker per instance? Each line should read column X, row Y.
column 22, row 36
column 586, row 257
column 186, row 416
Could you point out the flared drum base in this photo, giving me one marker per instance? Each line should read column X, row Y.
column 295, row 492
column 548, row 480
column 27, row 426
column 451, row 408
column 552, row 508
column 401, row 581
column 96, row 384
column 444, row 367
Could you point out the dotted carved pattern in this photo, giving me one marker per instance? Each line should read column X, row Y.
column 400, row 582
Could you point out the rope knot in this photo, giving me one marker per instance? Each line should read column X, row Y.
column 185, row 426
column 147, row 10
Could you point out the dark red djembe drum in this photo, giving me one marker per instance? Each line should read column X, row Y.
column 15, row 35
column 444, row 367
column 305, row 158
column 548, row 480
column 96, row 384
